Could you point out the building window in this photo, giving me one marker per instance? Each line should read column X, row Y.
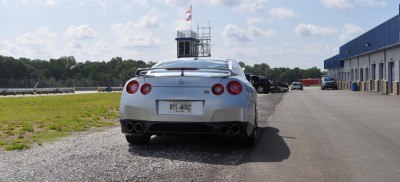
column 187, row 48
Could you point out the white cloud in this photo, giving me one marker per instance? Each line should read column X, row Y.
column 314, row 30
column 75, row 44
column 181, row 24
column 254, row 20
column 38, row 38
column 80, row 32
column 102, row 3
column 5, row 48
column 102, row 46
column 141, row 41
column 372, row 2
column 257, row 32
column 150, row 20
column 339, row 4
column 234, row 35
column 138, row 34
column 37, row 44
column 241, row 6
column 42, row 2
column 283, row 14
column 177, row 3
column 136, row 4
column 251, row 5
column 350, row 31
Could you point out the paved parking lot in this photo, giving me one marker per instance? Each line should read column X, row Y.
column 332, row 135
column 314, row 135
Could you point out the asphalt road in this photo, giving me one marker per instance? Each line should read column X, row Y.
column 313, row 136
column 330, row 136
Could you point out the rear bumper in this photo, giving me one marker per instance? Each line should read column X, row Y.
column 169, row 127
column 330, row 86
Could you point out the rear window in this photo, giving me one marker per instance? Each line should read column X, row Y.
column 329, row 79
column 200, row 64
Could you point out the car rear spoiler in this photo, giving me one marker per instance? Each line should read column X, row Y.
column 141, row 72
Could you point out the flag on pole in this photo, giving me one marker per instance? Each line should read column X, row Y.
column 189, row 18
column 189, row 10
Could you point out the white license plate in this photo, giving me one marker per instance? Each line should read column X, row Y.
column 180, row 107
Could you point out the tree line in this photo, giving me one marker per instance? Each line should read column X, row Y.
column 287, row 75
column 67, row 72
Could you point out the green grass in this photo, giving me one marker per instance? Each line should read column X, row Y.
column 28, row 120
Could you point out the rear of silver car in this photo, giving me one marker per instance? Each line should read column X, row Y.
column 189, row 101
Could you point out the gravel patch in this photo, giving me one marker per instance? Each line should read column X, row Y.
column 106, row 156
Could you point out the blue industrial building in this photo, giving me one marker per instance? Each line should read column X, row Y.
column 372, row 60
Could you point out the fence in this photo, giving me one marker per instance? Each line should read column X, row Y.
column 51, row 83
column 34, row 87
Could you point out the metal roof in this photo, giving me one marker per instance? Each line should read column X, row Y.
column 384, row 36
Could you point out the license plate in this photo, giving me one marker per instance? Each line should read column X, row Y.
column 180, row 107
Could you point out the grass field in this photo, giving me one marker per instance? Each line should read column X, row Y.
column 28, row 120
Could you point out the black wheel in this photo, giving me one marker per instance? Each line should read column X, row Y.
column 251, row 141
column 322, row 88
column 260, row 90
column 138, row 140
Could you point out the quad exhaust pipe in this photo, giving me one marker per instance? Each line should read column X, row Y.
column 137, row 127
column 235, row 129
column 226, row 129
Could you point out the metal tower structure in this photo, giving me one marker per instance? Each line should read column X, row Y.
column 204, row 38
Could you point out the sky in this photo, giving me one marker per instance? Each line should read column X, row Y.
column 280, row 33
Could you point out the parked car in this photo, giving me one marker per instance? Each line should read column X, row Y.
column 279, row 87
column 189, row 96
column 248, row 77
column 254, row 79
column 296, row 85
column 263, row 86
column 328, row 82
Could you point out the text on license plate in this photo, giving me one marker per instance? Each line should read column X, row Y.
column 180, row 107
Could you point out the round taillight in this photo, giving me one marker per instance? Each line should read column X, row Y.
column 146, row 89
column 217, row 89
column 234, row 87
column 132, row 87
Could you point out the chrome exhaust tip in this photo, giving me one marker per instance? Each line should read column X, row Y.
column 235, row 129
column 138, row 128
column 224, row 129
column 129, row 126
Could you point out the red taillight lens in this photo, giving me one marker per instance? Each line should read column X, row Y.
column 132, row 87
column 217, row 89
column 146, row 89
column 234, row 87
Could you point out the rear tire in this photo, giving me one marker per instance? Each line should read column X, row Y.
column 260, row 90
column 138, row 140
column 251, row 141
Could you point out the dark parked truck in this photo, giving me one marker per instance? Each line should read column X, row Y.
column 263, row 86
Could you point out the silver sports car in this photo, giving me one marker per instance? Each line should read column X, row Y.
column 189, row 96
